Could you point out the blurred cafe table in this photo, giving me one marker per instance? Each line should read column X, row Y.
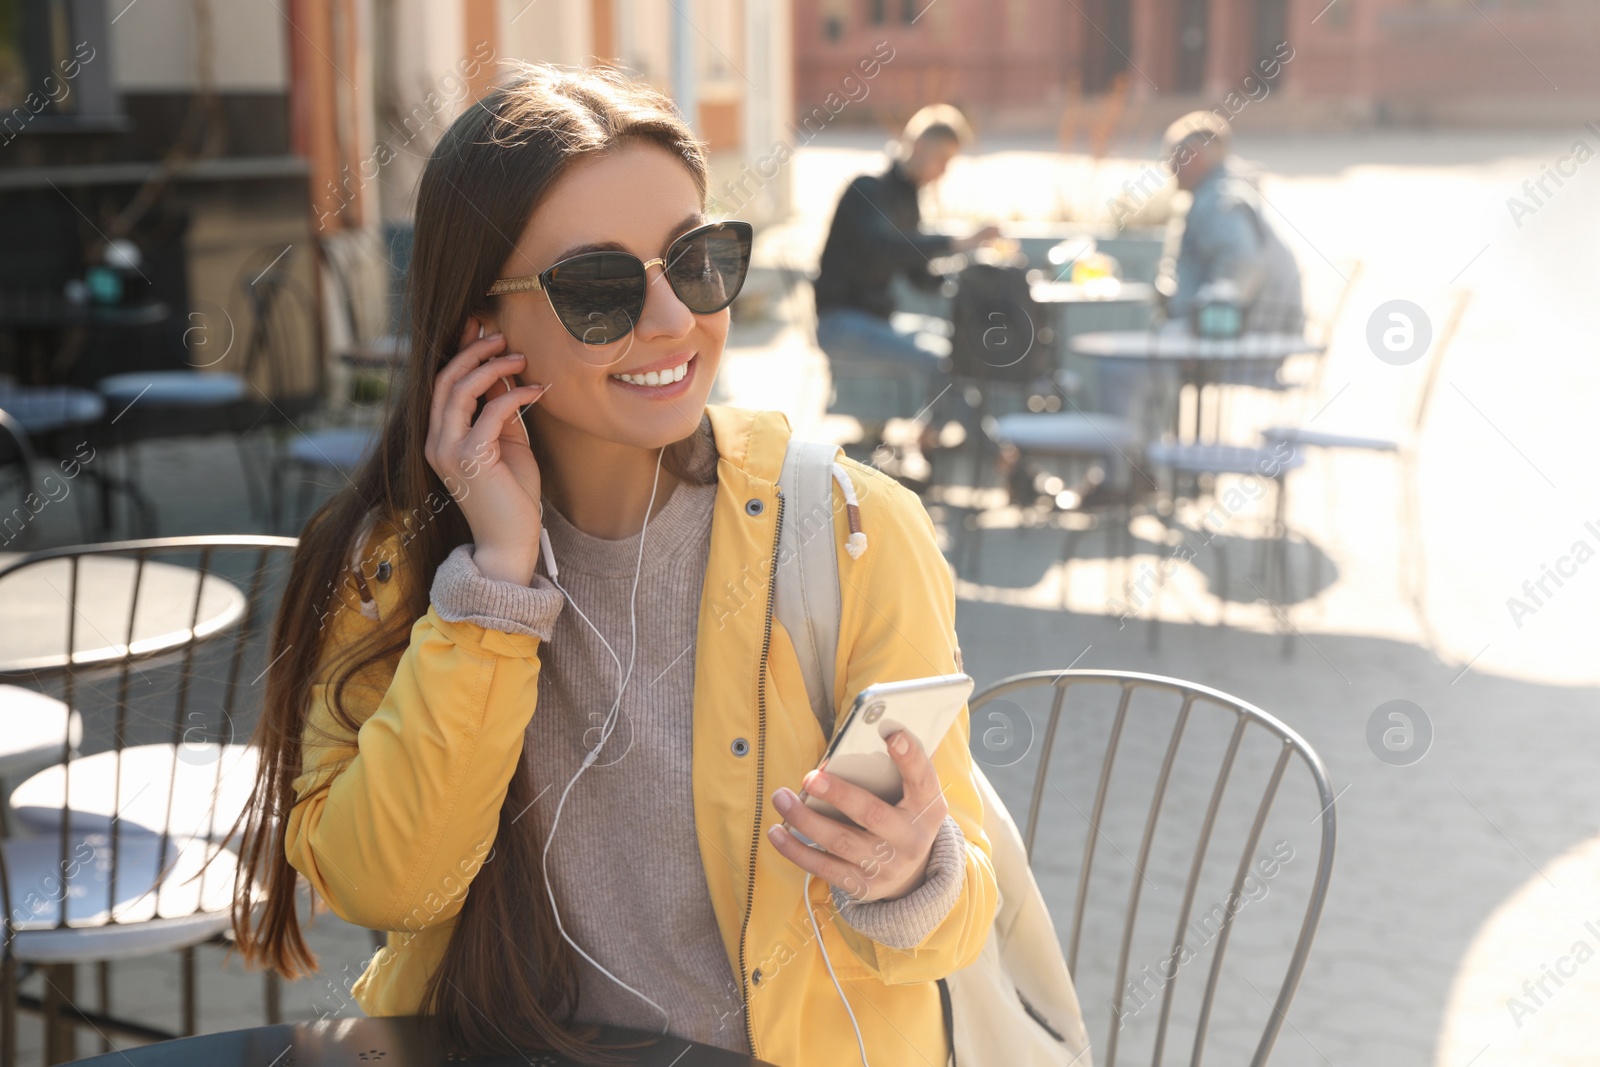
column 37, row 598
column 1097, row 304
column 1097, row 291
column 37, row 319
column 405, row 1041
column 1199, row 361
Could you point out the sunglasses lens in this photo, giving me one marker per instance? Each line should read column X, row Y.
column 598, row 297
column 707, row 268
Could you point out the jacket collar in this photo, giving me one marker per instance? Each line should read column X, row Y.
column 751, row 442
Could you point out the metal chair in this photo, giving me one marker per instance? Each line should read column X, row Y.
column 1402, row 447
column 1091, row 442
column 368, row 354
column 17, row 461
column 128, row 833
column 1157, row 724
column 265, row 387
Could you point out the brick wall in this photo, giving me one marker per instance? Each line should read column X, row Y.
column 1026, row 62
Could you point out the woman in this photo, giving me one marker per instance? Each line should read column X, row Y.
column 405, row 773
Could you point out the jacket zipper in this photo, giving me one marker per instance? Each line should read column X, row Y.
column 761, row 755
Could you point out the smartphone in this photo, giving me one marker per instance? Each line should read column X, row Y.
column 859, row 752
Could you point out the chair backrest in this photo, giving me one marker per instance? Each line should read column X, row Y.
column 278, row 329
column 158, row 647
column 359, row 264
column 1180, row 769
column 1441, row 344
column 16, row 448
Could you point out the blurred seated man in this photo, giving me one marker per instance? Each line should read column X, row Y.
column 1228, row 252
column 874, row 236
column 1228, row 245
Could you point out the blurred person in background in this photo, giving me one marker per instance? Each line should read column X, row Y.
column 1228, row 253
column 1227, row 242
column 874, row 236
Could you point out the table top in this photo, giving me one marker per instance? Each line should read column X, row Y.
column 21, row 309
column 43, row 408
column 1096, row 292
column 1181, row 345
column 392, row 1042
column 33, row 626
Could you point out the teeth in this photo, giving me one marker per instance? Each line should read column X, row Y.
column 665, row 377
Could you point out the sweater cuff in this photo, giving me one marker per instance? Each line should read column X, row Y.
column 907, row 921
column 462, row 594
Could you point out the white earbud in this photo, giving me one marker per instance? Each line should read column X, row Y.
column 549, row 553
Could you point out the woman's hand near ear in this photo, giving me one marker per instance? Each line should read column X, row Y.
column 487, row 465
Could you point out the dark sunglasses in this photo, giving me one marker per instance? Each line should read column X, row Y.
column 598, row 296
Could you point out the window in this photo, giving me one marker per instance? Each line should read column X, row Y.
column 35, row 44
column 835, row 17
column 54, row 66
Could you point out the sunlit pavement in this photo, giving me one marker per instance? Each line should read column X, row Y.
column 1459, row 877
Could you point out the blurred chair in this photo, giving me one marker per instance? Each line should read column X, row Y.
column 127, row 846
column 1403, row 447
column 264, row 389
column 1296, row 378
column 368, row 351
column 17, row 464
column 1148, row 708
column 1091, row 443
column 1202, row 465
column 63, row 423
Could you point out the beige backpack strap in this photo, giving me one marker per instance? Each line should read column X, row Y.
column 807, row 600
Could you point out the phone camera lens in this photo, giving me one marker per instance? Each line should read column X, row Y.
column 874, row 713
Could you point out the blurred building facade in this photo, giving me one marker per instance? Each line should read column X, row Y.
column 214, row 134
column 1022, row 62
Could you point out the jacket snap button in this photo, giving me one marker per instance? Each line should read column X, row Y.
column 756, row 976
column 384, row 570
column 754, row 506
column 740, row 746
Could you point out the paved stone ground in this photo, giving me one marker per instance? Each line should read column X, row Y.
column 1459, row 877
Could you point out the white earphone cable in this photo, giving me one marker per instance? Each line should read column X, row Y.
column 861, row 1044
column 607, row 727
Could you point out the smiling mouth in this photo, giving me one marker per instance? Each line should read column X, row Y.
column 656, row 378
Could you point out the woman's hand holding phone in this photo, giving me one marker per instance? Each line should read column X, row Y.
column 487, row 464
column 887, row 856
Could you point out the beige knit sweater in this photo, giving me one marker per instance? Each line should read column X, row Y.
column 625, row 865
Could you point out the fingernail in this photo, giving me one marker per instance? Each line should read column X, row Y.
column 818, row 784
column 492, row 336
column 901, row 745
column 775, row 834
column 783, row 800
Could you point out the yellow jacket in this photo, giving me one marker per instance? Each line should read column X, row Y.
column 412, row 810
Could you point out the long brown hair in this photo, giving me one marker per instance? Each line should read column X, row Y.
column 507, row 979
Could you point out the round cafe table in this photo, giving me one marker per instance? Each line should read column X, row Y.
column 33, row 624
column 1199, row 361
column 1118, row 292
column 389, row 1042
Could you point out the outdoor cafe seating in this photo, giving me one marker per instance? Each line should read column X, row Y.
column 132, row 794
